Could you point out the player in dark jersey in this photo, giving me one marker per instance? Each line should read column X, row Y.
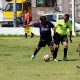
column 45, row 35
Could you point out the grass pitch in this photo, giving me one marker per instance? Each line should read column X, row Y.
column 15, row 62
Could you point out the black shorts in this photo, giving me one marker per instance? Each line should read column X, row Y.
column 25, row 23
column 42, row 43
column 60, row 38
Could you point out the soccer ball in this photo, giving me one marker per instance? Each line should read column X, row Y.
column 46, row 58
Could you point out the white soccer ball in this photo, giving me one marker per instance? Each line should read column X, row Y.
column 46, row 58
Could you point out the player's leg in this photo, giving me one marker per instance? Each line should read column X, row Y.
column 35, row 52
column 32, row 35
column 30, row 31
column 51, row 46
column 25, row 31
column 56, row 50
column 25, row 28
column 65, row 50
column 57, row 43
column 65, row 44
column 41, row 44
column 26, row 35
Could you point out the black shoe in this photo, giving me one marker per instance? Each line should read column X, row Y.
column 65, row 59
column 32, row 35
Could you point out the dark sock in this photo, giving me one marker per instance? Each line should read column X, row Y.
column 65, row 52
column 32, row 35
column 36, row 51
column 55, row 52
column 26, row 35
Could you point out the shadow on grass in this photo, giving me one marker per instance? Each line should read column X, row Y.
column 70, row 60
column 66, row 60
column 5, row 55
column 26, row 56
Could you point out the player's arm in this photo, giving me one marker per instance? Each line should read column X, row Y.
column 52, row 27
column 56, row 25
column 33, row 24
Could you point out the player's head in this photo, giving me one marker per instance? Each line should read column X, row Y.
column 43, row 19
column 66, row 17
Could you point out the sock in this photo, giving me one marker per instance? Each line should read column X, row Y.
column 32, row 35
column 36, row 51
column 65, row 52
column 55, row 52
column 26, row 35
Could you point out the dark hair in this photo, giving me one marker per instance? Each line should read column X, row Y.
column 67, row 15
column 43, row 18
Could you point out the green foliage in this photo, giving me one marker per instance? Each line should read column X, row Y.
column 15, row 62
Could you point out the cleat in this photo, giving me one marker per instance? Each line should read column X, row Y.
column 32, row 57
column 65, row 59
column 55, row 60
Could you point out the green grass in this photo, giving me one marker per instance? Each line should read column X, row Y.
column 15, row 62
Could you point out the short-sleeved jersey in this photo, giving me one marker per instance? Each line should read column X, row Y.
column 27, row 16
column 45, row 30
column 62, row 27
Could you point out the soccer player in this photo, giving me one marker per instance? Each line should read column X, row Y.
column 27, row 29
column 45, row 35
column 61, row 35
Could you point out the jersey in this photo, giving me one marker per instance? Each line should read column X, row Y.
column 62, row 27
column 27, row 17
column 45, row 30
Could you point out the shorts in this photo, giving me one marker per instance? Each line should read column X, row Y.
column 28, row 30
column 42, row 43
column 25, row 23
column 60, row 38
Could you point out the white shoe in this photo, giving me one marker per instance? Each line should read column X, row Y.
column 32, row 57
column 55, row 60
